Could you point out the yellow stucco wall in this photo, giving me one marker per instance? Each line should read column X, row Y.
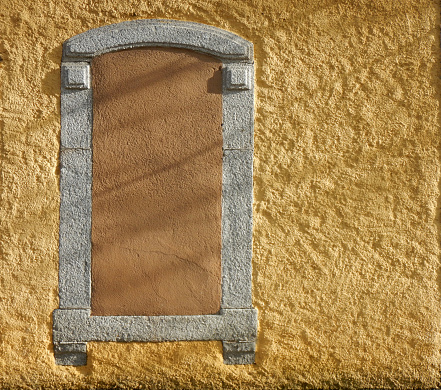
column 347, row 167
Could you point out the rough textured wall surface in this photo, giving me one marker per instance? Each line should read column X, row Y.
column 347, row 166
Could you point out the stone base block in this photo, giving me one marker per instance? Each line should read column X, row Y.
column 239, row 352
column 70, row 354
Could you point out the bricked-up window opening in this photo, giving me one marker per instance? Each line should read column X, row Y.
column 157, row 183
column 156, row 223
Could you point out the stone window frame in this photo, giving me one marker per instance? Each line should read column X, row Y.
column 236, row 323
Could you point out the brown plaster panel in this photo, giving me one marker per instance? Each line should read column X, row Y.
column 157, row 181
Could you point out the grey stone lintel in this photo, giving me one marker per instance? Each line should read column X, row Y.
column 158, row 33
column 236, row 324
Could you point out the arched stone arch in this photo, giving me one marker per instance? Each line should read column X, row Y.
column 158, row 33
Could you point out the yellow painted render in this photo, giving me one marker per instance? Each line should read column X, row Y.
column 346, row 212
